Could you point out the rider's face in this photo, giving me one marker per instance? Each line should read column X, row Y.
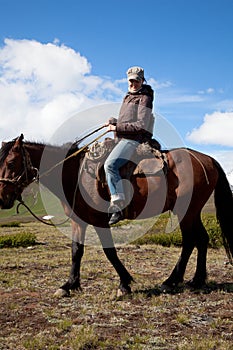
column 134, row 85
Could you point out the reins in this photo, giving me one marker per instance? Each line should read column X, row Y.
column 91, row 133
column 77, row 152
column 21, row 202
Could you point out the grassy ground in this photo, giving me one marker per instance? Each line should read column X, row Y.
column 31, row 318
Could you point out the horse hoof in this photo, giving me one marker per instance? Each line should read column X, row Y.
column 165, row 289
column 172, row 289
column 121, row 292
column 61, row 293
column 195, row 284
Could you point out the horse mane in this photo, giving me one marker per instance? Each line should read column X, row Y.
column 69, row 147
column 6, row 147
column 72, row 148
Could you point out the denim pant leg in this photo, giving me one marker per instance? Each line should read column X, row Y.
column 119, row 156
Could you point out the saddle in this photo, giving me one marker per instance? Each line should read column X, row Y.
column 148, row 160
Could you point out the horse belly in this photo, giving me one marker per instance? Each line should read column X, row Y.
column 149, row 197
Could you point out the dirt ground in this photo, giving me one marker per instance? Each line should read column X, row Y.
column 31, row 318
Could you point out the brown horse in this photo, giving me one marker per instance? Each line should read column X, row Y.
column 190, row 179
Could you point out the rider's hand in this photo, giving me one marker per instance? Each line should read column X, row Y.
column 111, row 127
column 112, row 121
column 111, row 124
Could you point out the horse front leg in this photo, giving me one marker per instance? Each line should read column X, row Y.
column 109, row 249
column 77, row 250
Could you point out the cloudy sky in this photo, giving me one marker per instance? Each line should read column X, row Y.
column 63, row 64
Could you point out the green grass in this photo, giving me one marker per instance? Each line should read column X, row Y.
column 157, row 234
column 22, row 239
column 10, row 224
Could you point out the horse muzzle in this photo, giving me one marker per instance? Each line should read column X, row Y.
column 7, row 200
column 6, row 204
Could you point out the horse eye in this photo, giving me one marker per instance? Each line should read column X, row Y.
column 11, row 165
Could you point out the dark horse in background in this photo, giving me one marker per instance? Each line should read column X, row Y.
column 190, row 180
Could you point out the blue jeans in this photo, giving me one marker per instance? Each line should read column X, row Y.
column 119, row 156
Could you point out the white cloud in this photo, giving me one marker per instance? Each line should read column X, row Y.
column 44, row 65
column 178, row 97
column 217, row 128
column 41, row 85
column 207, row 91
column 230, row 178
column 225, row 158
column 159, row 85
column 225, row 105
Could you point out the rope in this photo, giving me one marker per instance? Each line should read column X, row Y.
column 73, row 154
column 91, row 133
column 202, row 165
column 37, row 217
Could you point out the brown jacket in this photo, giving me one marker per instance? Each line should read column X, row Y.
column 135, row 119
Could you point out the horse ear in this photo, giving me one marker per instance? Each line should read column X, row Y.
column 18, row 142
column 20, row 139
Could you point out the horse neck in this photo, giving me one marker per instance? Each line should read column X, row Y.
column 53, row 170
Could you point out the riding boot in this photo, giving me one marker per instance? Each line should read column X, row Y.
column 117, row 214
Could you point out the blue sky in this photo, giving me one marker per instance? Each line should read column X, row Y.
column 61, row 57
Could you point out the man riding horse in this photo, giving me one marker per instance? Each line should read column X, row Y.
column 134, row 126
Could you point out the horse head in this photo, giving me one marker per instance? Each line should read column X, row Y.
column 16, row 171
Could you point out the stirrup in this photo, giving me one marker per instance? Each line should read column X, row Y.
column 116, row 217
column 116, row 212
column 115, row 207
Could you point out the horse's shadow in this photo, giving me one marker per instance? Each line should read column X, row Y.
column 205, row 289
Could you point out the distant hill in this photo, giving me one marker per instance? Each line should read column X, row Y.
column 41, row 203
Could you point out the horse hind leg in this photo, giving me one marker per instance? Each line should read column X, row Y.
column 193, row 235
column 188, row 244
column 177, row 275
column 202, row 240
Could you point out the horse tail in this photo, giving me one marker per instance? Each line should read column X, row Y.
column 224, row 210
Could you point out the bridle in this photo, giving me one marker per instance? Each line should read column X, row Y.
column 24, row 178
